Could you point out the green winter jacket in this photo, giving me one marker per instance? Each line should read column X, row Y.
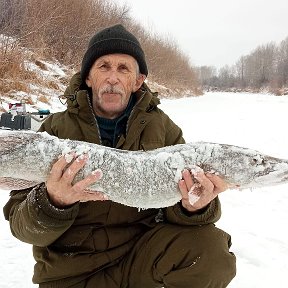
column 71, row 244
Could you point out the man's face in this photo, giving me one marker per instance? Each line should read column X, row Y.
column 112, row 79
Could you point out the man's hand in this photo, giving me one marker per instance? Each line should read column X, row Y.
column 199, row 189
column 59, row 183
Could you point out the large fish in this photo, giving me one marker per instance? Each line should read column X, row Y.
column 139, row 179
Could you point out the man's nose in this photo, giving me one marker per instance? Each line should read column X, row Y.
column 113, row 78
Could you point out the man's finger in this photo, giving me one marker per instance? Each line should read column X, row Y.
column 219, row 184
column 205, row 182
column 183, row 189
column 58, row 167
column 87, row 181
column 187, row 177
column 88, row 195
column 74, row 168
column 201, row 177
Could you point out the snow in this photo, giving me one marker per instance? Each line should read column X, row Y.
column 193, row 198
column 256, row 219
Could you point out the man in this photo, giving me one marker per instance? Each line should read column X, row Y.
column 81, row 239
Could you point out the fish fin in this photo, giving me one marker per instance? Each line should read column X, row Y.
column 11, row 139
column 9, row 183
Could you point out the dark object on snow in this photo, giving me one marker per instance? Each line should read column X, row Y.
column 43, row 112
column 18, row 122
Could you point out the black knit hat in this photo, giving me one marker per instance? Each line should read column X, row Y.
column 115, row 39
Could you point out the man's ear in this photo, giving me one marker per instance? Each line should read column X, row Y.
column 88, row 81
column 139, row 81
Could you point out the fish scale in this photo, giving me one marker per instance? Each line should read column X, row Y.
column 143, row 179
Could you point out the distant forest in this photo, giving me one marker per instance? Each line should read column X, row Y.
column 265, row 68
column 61, row 30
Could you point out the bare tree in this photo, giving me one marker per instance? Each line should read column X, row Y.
column 62, row 29
column 282, row 64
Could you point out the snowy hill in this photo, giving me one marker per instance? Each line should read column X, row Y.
column 256, row 219
column 46, row 82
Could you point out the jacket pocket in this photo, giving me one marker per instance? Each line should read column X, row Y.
column 78, row 240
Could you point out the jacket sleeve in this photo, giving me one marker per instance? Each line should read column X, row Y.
column 210, row 214
column 34, row 220
column 177, row 214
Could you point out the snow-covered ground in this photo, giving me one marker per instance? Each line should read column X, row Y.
column 255, row 219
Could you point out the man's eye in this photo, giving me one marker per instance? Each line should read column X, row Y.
column 123, row 68
column 104, row 67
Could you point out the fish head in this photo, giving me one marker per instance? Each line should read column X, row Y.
column 243, row 167
column 260, row 170
column 269, row 171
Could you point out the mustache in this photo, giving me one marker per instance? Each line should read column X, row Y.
column 111, row 90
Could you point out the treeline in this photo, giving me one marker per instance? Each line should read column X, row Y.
column 61, row 30
column 265, row 68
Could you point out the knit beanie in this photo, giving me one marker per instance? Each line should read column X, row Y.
column 114, row 39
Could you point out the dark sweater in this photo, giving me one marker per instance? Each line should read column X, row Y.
column 112, row 129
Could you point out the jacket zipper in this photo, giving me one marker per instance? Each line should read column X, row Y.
column 94, row 117
column 133, row 111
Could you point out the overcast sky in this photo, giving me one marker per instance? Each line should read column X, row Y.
column 214, row 32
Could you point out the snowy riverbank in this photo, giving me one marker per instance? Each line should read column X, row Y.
column 255, row 219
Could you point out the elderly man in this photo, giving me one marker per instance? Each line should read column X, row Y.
column 82, row 239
